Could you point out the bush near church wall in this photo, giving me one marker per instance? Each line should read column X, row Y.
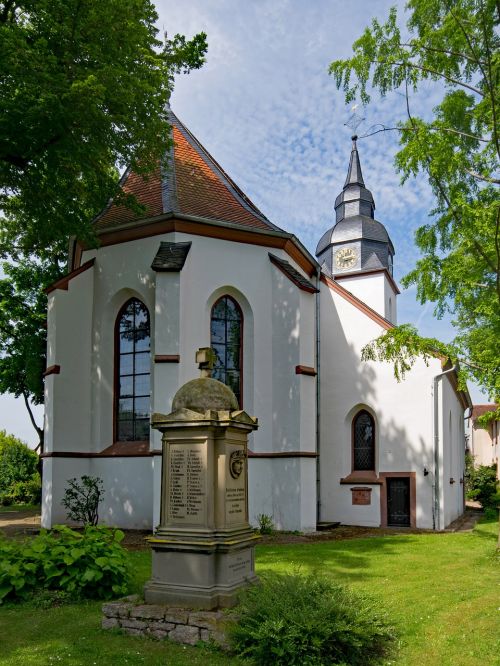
column 90, row 564
column 19, row 478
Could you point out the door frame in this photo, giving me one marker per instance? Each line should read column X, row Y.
column 413, row 496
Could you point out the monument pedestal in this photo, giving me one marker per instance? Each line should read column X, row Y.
column 203, row 549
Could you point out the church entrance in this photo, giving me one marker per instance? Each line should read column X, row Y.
column 398, row 501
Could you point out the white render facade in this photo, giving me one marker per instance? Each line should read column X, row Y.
column 302, row 329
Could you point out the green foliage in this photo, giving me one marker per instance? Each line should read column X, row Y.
column 305, row 620
column 266, row 525
column 482, row 485
column 23, row 327
column 81, row 499
column 455, row 45
column 90, row 565
column 19, row 479
column 84, row 86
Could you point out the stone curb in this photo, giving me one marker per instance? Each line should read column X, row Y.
column 181, row 625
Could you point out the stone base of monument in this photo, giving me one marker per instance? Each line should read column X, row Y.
column 180, row 625
column 197, row 573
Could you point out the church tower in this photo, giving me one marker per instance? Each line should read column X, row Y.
column 357, row 250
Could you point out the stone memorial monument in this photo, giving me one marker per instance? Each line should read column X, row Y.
column 203, row 548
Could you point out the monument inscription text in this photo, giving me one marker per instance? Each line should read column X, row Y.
column 187, row 492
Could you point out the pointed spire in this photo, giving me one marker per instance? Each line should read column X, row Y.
column 354, row 175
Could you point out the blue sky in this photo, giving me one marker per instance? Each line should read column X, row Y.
column 267, row 110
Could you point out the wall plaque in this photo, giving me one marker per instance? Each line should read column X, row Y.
column 187, row 491
column 361, row 495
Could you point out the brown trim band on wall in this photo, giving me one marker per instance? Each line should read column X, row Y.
column 79, row 454
column 284, row 454
column 413, row 496
column 305, row 370
column 64, row 281
column 310, row 289
column 167, row 358
column 52, row 370
column 166, row 224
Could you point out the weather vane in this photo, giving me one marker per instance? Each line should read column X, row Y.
column 355, row 120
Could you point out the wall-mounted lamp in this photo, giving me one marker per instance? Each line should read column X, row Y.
column 452, row 480
column 426, row 471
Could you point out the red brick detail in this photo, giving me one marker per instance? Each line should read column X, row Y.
column 167, row 358
column 52, row 370
column 305, row 370
column 64, row 281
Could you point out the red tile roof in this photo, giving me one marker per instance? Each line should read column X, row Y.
column 479, row 410
column 196, row 185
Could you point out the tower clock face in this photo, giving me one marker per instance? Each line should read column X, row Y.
column 346, row 257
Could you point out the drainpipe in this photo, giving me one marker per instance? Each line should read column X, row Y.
column 318, row 396
column 436, row 519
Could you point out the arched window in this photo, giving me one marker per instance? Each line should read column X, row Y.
column 133, row 367
column 226, row 333
column 363, row 435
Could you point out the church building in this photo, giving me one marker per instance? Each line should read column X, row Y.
column 339, row 440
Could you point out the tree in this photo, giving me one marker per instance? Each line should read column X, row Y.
column 83, row 85
column 23, row 329
column 455, row 44
column 18, row 470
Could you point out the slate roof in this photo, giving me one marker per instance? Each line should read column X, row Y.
column 293, row 274
column 188, row 181
column 170, row 257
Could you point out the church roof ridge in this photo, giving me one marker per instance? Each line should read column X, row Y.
column 187, row 180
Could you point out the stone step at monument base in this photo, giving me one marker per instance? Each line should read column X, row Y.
column 136, row 618
column 324, row 526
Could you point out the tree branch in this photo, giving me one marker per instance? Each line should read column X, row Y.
column 430, row 71
column 9, row 5
column 33, row 422
column 445, row 197
column 488, row 79
column 429, row 127
column 474, row 174
column 456, row 54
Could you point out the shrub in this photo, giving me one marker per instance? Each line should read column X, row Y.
column 298, row 620
column 483, row 486
column 82, row 498
column 25, row 492
column 18, row 465
column 266, row 525
column 90, row 564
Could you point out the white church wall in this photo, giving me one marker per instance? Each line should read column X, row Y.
column 128, row 498
column 69, row 346
column 56, row 474
column 278, row 335
column 452, row 454
column 370, row 288
column 122, row 272
column 403, row 413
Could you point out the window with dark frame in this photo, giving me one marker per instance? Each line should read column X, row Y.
column 363, row 433
column 226, row 333
column 133, row 372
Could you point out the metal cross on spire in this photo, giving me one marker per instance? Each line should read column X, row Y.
column 355, row 120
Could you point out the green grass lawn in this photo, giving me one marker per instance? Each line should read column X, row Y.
column 442, row 592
